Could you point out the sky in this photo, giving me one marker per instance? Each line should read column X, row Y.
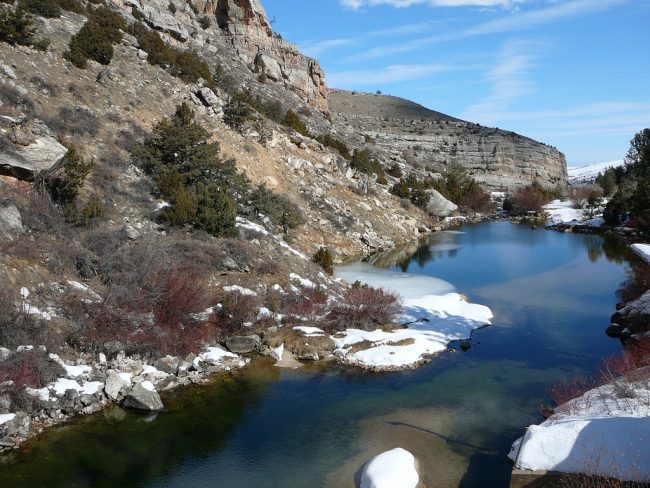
column 571, row 73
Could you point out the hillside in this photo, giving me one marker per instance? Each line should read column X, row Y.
column 413, row 136
column 587, row 174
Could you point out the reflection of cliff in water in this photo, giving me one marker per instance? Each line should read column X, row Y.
column 427, row 249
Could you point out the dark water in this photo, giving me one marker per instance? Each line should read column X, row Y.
column 551, row 295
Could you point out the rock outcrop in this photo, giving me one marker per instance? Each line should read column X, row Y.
column 224, row 30
column 416, row 137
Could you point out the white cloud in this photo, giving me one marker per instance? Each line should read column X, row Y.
column 509, row 79
column 390, row 74
column 515, row 22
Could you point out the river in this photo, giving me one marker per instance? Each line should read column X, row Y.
column 551, row 295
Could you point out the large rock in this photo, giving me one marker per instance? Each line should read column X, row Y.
column 209, row 98
column 114, row 384
column 42, row 153
column 396, row 468
column 439, row 205
column 243, row 344
column 635, row 314
column 143, row 397
column 10, row 220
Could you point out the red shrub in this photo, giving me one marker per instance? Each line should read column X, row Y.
column 310, row 303
column 635, row 356
column 30, row 368
column 157, row 319
column 238, row 309
column 363, row 307
column 565, row 392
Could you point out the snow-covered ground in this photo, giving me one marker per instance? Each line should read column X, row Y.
column 562, row 212
column 391, row 469
column 435, row 313
column 642, row 250
column 587, row 174
column 604, row 432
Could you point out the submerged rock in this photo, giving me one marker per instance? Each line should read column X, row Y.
column 143, row 397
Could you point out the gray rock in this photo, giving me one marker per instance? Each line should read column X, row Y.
column 131, row 233
column 10, row 220
column 243, row 344
column 439, row 205
column 140, row 398
column 114, row 384
column 142, row 55
column 87, row 399
column 635, row 314
column 168, row 364
column 129, row 40
column 4, row 354
column 8, row 71
column 209, row 98
column 42, row 154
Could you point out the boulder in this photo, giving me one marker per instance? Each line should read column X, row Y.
column 243, row 344
column 439, row 205
column 43, row 153
column 114, row 384
column 209, row 98
column 8, row 71
column 635, row 314
column 143, row 397
column 10, row 220
column 168, row 364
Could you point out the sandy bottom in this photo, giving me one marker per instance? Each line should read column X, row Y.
column 424, row 432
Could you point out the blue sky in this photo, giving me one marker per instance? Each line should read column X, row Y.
column 571, row 73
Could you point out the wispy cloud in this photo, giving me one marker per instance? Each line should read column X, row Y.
column 390, row 74
column 515, row 22
column 358, row 4
column 510, row 80
column 315, row 49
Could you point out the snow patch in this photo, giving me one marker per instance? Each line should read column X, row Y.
column 310, row 331
column 304, row 282
column 73, row 371
column 643, row 250
column 148, row 385
column 587, row 174
column 279, row 351
column 6, row 417
column 240, row 289
column 391, row 469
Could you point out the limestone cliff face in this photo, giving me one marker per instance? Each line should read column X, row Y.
column 412, row 135
column 237, row 29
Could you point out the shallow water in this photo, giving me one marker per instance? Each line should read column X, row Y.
column 551, row 295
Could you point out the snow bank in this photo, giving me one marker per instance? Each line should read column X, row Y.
column 604, row 432
column 391, row 469
column 304, row 282
column 642, row 250
column 562, row 212
column 73, row 371
column 434, row 314
column 62, row 384
column 215, row 354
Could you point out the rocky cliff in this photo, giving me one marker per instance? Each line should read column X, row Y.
column 414, row 136
column 235, row 30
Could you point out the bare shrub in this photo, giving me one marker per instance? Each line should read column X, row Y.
column 157, row 318
column 238, row 309
column 45, row 86
column 30, row 368
column 309, row 303
column 527, row 199
column 75, row 122
column 363, row 307
column 563, row 393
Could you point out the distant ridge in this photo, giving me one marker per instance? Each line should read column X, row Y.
column 587, row 174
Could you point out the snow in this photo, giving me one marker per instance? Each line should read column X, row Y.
column 248, row 225
column 42, row 394
column 587, row 174
column 62, row 384
column 279, row 351
column 73, row 371
column 304, row 282
column 24, row 293
column 83, row 288
column 391, row 469
column 148, row 385
column 24, row 348
column 310, row 331
column 604, row 432
column 264, row 313
column 215, row 354
column 434, row 313
column 32, row 310
column 240, row 289
column 562, row 212
column 6, row 417
column 642, row 250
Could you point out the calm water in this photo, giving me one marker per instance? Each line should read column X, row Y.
column 551, row 295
